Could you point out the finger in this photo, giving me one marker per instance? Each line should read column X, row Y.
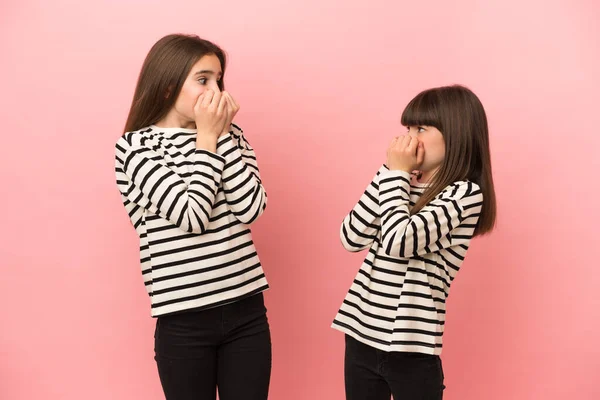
column 229, row 98
column 391, row 147
column 199, row 101
column 420, row 153
column 222, row 106
column 208, row 96
column 216, row 100
column 225, row 98
column 403, row 142
column 399, row 144
column 229, row 102
column 235, row 104
column 412, row 144
column 230, row 115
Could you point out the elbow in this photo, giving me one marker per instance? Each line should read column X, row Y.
column 346, row 245
column 252, row 212
column 350, row 245
column 346, row 241
column 351, row 248
column 249, row 216
column 245, row 220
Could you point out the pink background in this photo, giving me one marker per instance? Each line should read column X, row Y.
column 322, row 84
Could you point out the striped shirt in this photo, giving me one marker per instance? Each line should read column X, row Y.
column 192, row 209
column 397, row 301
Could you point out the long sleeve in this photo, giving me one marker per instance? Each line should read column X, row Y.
column 243, row 188
column 361, row 226
column 431, row 229
column 146, row 182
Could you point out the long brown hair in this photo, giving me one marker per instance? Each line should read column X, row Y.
column 164, row 71
column 459, row 115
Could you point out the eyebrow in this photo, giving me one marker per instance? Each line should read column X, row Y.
column 206, row 71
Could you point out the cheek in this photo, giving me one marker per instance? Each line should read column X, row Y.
column 194, row 92
column 198, row 90
column 190, row 92
column 440, row 150
column 434, row 149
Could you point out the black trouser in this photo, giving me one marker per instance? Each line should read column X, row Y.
column 228, row 347
column 372, row 374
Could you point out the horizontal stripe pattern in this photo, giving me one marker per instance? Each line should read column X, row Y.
column 192, row 210
column 397, row 302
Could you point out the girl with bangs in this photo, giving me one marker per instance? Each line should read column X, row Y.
column 417, row 218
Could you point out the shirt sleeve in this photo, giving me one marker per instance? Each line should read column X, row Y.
column 246, row 197
column 362, row 225
column 146, row 182
column 432, row 228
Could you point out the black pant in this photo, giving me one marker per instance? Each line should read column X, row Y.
column 228, row 347
column 372, row 374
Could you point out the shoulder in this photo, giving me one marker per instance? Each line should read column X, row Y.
column 131, row 140
column 134, row 138
column 466, row 194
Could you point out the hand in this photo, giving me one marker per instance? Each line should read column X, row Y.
column 210, row 113
column 232, row 110
column 405, row 153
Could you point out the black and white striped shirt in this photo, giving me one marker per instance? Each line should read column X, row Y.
column 397, row 301
column 192, row 209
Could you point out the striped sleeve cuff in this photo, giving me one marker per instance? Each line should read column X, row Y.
column 394, row 190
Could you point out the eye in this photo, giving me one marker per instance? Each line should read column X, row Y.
column 420, row 129
column 202, row 81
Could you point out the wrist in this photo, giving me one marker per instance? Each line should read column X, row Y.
column 403, row 168
column 207, row 142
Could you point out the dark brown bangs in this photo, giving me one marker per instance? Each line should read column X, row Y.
column 423, row 110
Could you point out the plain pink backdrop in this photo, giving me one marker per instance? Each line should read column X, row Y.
column 322, row 84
